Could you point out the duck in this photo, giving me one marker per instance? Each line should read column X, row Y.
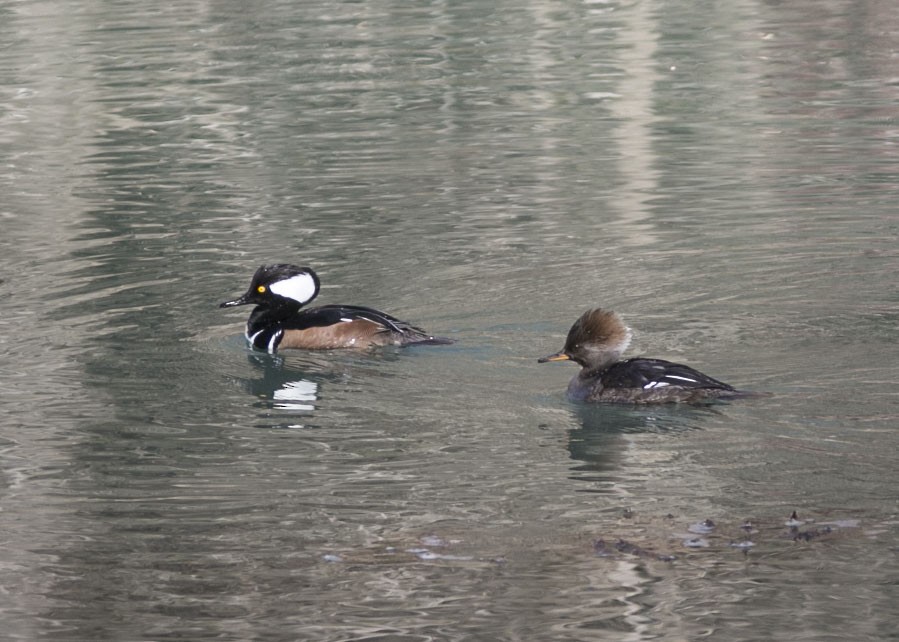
column 280, row 321
column 596, row 342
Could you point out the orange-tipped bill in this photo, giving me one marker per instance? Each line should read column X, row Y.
column 559, row 356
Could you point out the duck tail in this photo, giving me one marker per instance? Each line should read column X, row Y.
column 428, row 340
column 748, row 394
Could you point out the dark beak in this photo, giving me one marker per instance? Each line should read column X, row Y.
column 559, row 356
column 230, row 304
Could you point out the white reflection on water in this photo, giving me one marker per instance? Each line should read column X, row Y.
column 634, row 110
column 294, row 395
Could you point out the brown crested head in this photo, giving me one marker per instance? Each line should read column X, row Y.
column 599, row 328
column 596, row 340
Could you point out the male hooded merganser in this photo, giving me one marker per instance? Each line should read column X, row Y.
column 596, row 341
column 279, row 291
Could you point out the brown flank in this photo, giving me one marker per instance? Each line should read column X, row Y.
column 360, row 333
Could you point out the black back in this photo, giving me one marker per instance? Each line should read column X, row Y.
column 648, row 373
column 326, row 315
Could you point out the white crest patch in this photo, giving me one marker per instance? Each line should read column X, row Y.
column 300, row 288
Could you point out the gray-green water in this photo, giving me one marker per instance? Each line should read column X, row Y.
column 725, row 175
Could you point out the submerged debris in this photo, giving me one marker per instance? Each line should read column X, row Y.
column 641, row 536
column 602, row 549
column 744, row 536
column 703, row 527
column 428, row 554
column 744, row 545
column 696, row 542
column 814, row 533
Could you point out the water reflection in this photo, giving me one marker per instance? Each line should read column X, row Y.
column 624, row 418
column 634, row 110
column 603, row 436
column 293, row 384
column 294, row 394
column 284, row 387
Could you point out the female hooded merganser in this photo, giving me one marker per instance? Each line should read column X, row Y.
column 279, row 291
column 596, row 341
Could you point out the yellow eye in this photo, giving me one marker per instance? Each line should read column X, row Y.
column 260, row 289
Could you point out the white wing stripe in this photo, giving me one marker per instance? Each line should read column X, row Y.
column 682, row 378
column 272, row 343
